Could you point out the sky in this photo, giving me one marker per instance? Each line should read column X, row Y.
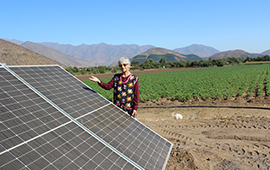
column 221, row 24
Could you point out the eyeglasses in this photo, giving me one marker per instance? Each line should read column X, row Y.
column 120, row 65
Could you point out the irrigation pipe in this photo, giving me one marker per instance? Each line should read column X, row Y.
column 187, row 106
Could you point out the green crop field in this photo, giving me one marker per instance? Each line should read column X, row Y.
column 215, row 83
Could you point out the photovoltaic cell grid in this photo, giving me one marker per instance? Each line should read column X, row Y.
column 35, row 135
column 128, row 136
column 61, row 88
column 121, row 132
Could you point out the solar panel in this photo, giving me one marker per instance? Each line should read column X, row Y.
column 47, row 105
column 36, row 135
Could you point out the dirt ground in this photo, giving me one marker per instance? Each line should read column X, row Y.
column 210, row 138
column 213, row 138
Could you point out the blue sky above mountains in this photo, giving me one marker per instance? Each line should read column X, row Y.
column 224, row 25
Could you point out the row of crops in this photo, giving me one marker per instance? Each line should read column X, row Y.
column 216, row 83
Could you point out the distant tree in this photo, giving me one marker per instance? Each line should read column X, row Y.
column 188, row 64
column 148, row 64
column 95, row 70
column 135, row 64
column 114, row 69
column 150, row 61
column 266, row 58
column 82, row 71
column 177, row 64
column 259, row 58
column 170, row 64
column 102, row 69
column 234, row 60
column 247, row 60
column 182, row 63
column 241, row 60
column 208, row 64
column 194, row 64
column 70, row 70
column 221, row 62
column 201, row 63
column 75, row 69
column 163, row 60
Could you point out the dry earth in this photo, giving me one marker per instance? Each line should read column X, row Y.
column 213, row 138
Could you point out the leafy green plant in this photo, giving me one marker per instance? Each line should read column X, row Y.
column 215, row 82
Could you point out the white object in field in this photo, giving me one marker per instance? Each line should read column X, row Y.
column 177, row 115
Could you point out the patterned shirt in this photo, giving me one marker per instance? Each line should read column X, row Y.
column 124, row 91
column 111, row 85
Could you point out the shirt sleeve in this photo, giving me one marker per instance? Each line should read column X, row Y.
column 106, row 86
column 136, row 96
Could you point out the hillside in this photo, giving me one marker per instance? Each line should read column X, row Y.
column 267, row 52
column 13, row 54
column 14, row 41
column 234, row 53
column 199, row 50
column 102, row 53
column 157, row 53
column 56, row 55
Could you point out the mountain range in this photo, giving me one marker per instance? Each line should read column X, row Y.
column 56, row 55
column 233, row 53
column 104, row 54
column 100, row 54
column 13, row 54
column 267, row 52
column 157, row 53
column 197, row 49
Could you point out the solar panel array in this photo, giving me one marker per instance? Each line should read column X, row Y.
column 51, row 120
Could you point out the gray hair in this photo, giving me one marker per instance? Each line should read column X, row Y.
column 122, row 59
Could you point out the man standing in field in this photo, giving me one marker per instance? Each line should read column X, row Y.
column 126, row 88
